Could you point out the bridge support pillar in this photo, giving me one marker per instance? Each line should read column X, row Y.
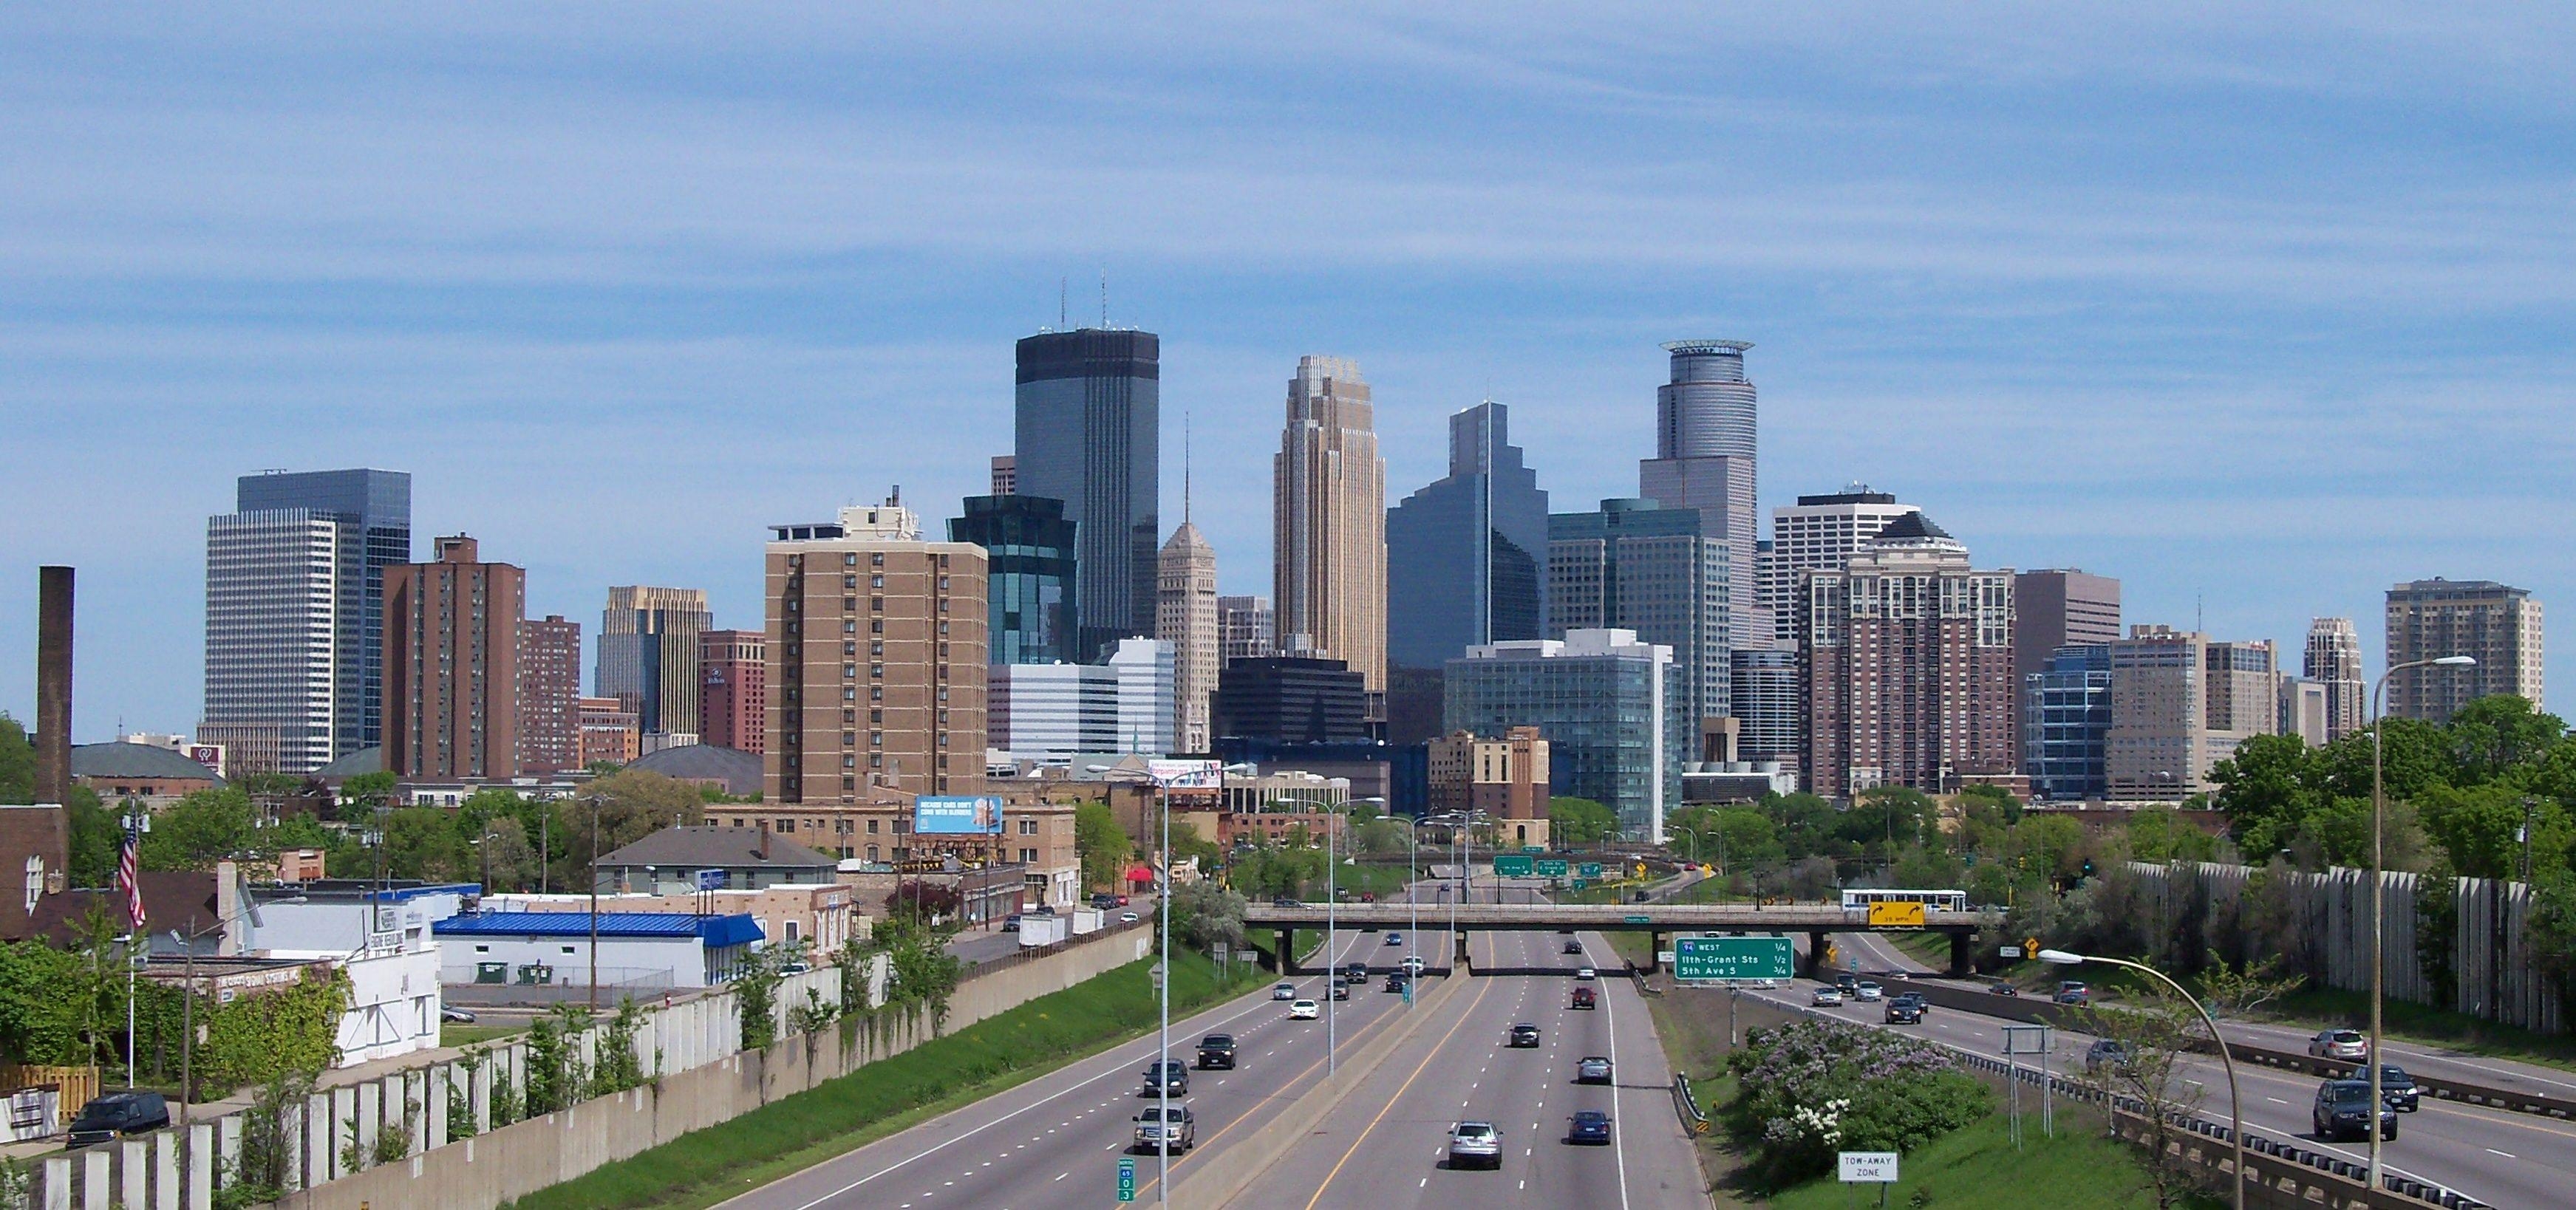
column 1654, row 950
column 1816, row 955
column 1287, row 955
column 1962, row 954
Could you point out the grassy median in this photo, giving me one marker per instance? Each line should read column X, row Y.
column 707, row 1166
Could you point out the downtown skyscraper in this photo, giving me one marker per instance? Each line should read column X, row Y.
column 1186, row 618
column 2495, row 624
column 1704, row 458
column 648, row 655
column 2333, row 659
column 1086, row 430
column 295, row 612
column 1466, row 555
column 1329, row 521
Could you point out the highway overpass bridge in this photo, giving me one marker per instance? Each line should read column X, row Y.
column 1660, row 920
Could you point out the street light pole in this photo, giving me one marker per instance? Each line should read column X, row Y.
column 2378, row 874
column 1163, row 1130
column 2235, row 1105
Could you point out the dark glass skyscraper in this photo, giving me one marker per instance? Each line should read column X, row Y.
column 1466, row 556
column 1704, row 458
column 1030, row 579
column 1086, row 430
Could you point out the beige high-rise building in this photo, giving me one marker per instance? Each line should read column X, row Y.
column 648, row 654
column 1185, row 617
column 2334, row 661
column 2497, row 625
column 1329, row 533
column 876, row 660
column 2181, row 703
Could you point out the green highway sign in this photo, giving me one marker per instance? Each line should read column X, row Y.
column 1641, row 920
column 1724, row 958
column 1126, row 1179
column 1511, row 865
column 1533, row 849
column 1579, row 884
column 1589, row 869
column 1551, row 868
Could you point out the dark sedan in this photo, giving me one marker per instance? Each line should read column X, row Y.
column 2397, row 1088
column 1590, row 1127
column 2343, row 1109
column 1524, row 1035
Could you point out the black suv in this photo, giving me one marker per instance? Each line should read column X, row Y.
column 1905, row 1010
column 1215, row 1051
column 1524, row 1035
column 2343, row 1109
column 1159, row 1074
column 118, row 1113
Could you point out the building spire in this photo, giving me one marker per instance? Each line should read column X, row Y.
column 1185, row 466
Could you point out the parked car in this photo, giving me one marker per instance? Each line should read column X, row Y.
column 2397, row 1088
column 1828, row 997
column 1166, row 1127
column 1104, row 901
column 1589, row 1127
column 2343, row 1109
column 1011, row 923
column 1524, row 1035
column 455, row 1016
column 1585, row 997
column 1169, row 1071
column 1122, row 901
column 2105, row 1055
column 1283, row 990
column 1865, row 991
column 2349, row 1045
column 1592, row 1069
column 2073, row 991
column 106, row 1117
column 1475, row 1145
column 1304, row 1010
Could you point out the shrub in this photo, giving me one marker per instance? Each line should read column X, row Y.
column 1811, row 1088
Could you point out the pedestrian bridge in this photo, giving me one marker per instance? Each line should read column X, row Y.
column 1818, row 920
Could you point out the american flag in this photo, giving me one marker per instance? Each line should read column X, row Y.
column 129, row 880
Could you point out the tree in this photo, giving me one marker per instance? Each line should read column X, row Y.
column 1205, row 914
column 361, row 796
column 507, row 860
column 631, row 805
column 1103, row 845
column 2152, row 1038
column 2415, row 755
column 2495, row 737
column 1926, row 869
column 201, row 829
column 2160, row 834
column 98, row 840
column 1887, row 818
column 1579, row 821
column 2235, row 991
column 923, row 901
column 17, row 762
column 2267, row 789
column 421, row 842
column 1805, row 822
column 2481, row 829
column 1744, row 838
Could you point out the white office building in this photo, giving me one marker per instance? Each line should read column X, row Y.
column 1046, row 712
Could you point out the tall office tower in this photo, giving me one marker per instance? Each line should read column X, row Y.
column 1821, row 533
column 2181, row 703
column 1245, row 628
column 549, row 695
column 1765, row 694
column 2334, row 661
column 1006, row 475
column 2303, row 709
column 648, row 655
column 1292, row 699
column 1605, row 701
column 1051, row 711
column 2058, row 607
column 451, row 678
column 2497, row 625
column 1466, row 555
column 1657, row 571
column 1908, row 658
column 876, row 660
column 2066, row 720
column 1185, row 616
column 733, row 690
column 1704, row 458
column 1034, row 609
column 1087, row 431
column 295, row 609
column 1329, row 529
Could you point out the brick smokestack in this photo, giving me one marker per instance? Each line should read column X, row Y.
column 53, row 683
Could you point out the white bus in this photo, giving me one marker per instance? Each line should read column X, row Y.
column 1946, row 901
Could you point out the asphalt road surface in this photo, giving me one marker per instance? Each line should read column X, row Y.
column 2504, row 1159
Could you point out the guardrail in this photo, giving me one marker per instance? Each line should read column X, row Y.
column 1686, row 1103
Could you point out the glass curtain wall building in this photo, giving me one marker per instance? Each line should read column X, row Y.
column 2066, row 723
column 1657, row 571
column 1035, row 606
column 1608, row 705
column 1465, row 554
column 1086, row 430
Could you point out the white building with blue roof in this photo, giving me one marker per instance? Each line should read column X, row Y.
column 637, row 951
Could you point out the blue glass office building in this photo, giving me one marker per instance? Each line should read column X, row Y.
column 2066, row 724
column 1658, row 571
column 1086, row 430
column 1466, row 555
column 1609, row 705
column 1029, row 547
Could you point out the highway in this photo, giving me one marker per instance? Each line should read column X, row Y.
column 1056, row 1140
column 1385, row 1145
column 2502, row 1158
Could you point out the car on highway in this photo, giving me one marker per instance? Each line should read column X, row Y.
column 1572, row 946
column 2004, row 987
column 1164, row 1127
column 1341, row 990
column 1589, row 1127
column 2105, row 1055
column 1592, row 1069
column 2348, row 1045
column 106, row 1117
column 1413, row 964
column 1394, row 938
column 1104, row 901
column 1585, row 974
column 1828, row 997
column 2397, row 1088
column 1281, row 901
column 1395, row 981
column 1304, row 1010
column 1283, row 990
column 1475, row 1145
column 2073, row 991
column 1904, row 1010
column 1866, row 992
column 1523, row 1035
column 1167, row 1072
column 1585, row 997
column 2343, row 1109
column 1215, row 1051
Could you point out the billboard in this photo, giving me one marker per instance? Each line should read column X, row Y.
column 978, row 816
column 1186, row 774
column 209, row 755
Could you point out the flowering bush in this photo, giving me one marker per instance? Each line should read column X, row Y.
column 1812, row 1088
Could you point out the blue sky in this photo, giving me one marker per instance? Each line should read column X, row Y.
column 2258, row 308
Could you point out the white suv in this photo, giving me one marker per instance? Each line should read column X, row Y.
column 1475, row 1145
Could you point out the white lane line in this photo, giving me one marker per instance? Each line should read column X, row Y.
column 1618, row 1139
column 2506, row 1154
column 2276, row 1100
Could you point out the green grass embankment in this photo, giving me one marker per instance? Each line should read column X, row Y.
column 1978, row 1167
column 707, row 1166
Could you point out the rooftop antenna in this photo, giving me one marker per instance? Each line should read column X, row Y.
column 2199, row 618
column 1061, row 297
column 1185, row 466
column 1104, row 299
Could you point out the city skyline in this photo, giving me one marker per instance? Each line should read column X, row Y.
column 545, row 344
